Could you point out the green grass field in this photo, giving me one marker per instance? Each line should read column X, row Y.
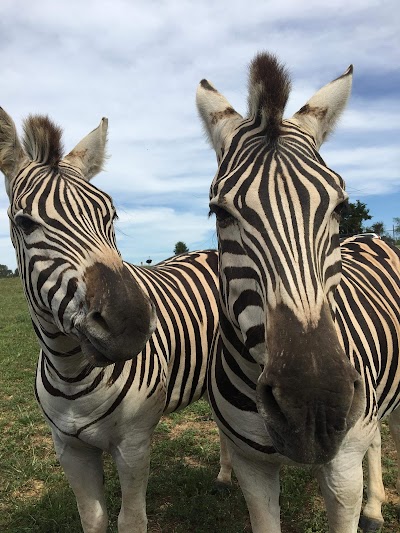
column 35, row 497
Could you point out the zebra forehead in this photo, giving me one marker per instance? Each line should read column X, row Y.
column 42, row 140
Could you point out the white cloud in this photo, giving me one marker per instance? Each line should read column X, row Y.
column 372, row 118
column 154, row 232
column 139, row 63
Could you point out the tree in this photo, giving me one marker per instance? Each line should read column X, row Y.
column 377, row 227
column 388, row 238
column 180, row 248
column 396, row 227
column 5, row 272
column 352, row 218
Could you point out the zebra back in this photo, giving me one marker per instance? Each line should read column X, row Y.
column 184, row 290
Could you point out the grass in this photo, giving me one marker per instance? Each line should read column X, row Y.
column 35, row 497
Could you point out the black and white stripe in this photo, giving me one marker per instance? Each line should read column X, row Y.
column 120, row 344
column 295, row 307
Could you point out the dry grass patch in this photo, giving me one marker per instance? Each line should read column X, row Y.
column 34, row 488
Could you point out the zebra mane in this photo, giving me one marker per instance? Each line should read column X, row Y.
column 269, row 88
column 42, row 140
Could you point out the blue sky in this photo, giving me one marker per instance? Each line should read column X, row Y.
column 139, row 63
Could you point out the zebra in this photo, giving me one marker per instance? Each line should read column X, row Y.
column 307, row 360
column 120, row 345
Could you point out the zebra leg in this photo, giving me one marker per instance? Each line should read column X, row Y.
column 132, row 458
column 341, row 483
column 371, row 518
column 223, row 480
column 260, row 486
column 394, row 426
column 83, row 467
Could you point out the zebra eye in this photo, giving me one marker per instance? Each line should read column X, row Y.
column 224, row 218
column 26, row 223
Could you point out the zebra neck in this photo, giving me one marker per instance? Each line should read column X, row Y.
column 61, row 352
column 235, row 348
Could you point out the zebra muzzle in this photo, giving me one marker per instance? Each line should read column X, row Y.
column 120, row 318
column 309, row 395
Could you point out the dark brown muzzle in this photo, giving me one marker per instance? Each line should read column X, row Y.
column 120, row 318
column 308, row 394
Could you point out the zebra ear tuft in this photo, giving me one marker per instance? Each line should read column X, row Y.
column 218, row 116
column 90, row 153
column 269, row 89
column 320, row 114
column 11, row 152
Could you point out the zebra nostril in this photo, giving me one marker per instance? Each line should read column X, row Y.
column 266, row 395
column 97, row 318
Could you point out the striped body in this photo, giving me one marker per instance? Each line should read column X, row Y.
column 120, row 344
column 308, row 357
column 184, row 290
column 167, row 375
column 368, row 318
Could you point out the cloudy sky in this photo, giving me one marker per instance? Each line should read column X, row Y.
column 139, row 62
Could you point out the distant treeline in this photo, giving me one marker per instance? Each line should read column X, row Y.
column 5, row 272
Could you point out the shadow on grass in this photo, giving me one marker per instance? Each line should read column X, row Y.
column 54, row 512
column 179, row 499
column 182, row 499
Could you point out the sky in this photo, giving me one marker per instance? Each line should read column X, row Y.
column 139, row 63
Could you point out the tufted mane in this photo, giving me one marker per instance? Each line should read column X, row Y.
column 42, row 140
column 269, row 88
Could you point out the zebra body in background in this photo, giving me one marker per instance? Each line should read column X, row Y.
column 308, row 357
column 120, row 345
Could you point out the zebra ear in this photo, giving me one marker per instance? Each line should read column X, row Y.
column 217, row 114
column 90, row 153
column 11, row 152
column 321, row 112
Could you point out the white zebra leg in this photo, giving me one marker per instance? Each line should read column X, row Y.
column 341, row 483
column 394, row 426
column 259, row 482
column 83, row 467
column 372, row 519
column 132, row 458
column 224, row 478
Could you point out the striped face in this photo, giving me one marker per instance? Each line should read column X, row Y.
column 61, row 225
column 277, row 207
column 63, row 234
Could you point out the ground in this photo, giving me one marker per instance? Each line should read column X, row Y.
column 35, row 497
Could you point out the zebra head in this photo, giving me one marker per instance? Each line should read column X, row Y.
column 277, row 207
column 62, row 230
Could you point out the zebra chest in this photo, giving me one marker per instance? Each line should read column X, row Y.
column 98, row 411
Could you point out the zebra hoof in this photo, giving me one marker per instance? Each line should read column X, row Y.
column 220, row 487
column 369, row 524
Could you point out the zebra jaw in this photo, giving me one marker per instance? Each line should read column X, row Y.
column 95, row 354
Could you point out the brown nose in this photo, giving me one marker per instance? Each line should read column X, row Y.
column 308, row 394
column 120, row 318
